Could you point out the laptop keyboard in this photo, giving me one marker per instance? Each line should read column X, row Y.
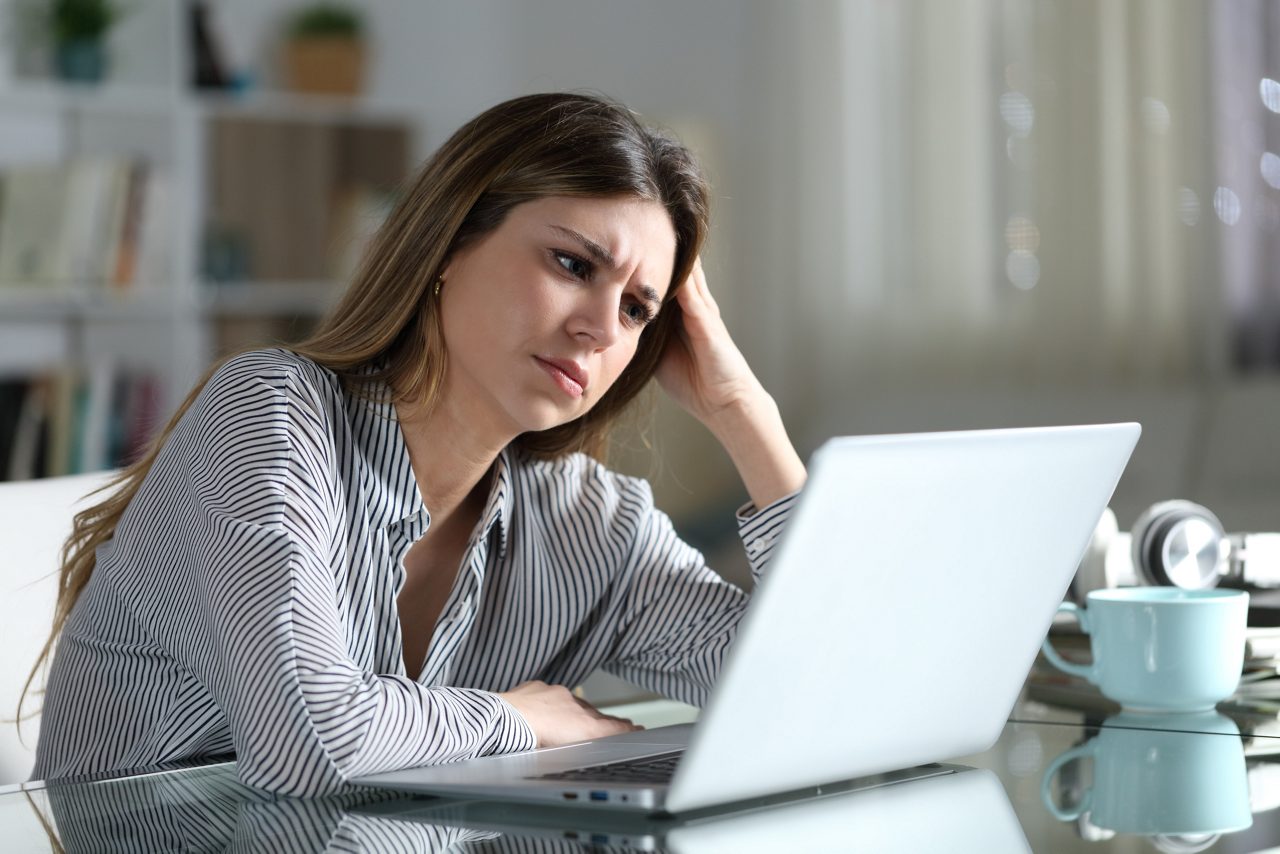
column 650, row 769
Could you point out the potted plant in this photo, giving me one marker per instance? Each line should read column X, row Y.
column 324, row 52
column 78, row 29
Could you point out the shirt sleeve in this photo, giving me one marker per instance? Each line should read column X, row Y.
column 262, row 632
column 680, row 617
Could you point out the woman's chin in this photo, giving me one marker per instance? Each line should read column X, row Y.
column 548, row 418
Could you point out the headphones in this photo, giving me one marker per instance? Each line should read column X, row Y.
column 1176, row 544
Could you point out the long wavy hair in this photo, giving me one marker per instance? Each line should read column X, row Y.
column 386, row 327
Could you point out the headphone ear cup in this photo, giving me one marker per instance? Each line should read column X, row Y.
column 1092, row 572
column 1179, row 544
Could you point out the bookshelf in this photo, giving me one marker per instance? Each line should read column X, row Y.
column 160, row 228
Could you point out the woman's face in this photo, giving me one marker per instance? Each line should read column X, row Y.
column 542, row 315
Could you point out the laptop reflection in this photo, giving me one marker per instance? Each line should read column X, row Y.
column 959, row 810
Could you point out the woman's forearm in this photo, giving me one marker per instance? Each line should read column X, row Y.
column 755, row 438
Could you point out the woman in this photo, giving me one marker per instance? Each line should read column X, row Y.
column 389, row 545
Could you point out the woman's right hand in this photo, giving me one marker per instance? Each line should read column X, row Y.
column 558, row 717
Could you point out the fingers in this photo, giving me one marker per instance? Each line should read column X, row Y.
column 558, row 717
column 695, row 297
column 599, row 715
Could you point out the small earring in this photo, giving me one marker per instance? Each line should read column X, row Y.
column 439, row 283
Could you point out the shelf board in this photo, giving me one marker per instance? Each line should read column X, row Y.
column 161, row 101
column 35, row 302
column 291, row 106
column 110, row 98
column 268, row 298
column 21, row 302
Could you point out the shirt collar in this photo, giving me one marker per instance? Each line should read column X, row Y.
column 497, row 510
column 390, row 473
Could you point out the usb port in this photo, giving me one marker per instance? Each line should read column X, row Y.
column 599, row 796
column 570, row 796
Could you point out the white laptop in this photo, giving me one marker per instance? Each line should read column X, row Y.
column 894, row 628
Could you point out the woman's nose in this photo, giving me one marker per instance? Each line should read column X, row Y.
column 596, row 320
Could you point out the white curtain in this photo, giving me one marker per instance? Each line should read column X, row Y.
column 1246, row 133
column 998, row 191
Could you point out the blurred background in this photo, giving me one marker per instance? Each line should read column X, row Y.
column 928, row 213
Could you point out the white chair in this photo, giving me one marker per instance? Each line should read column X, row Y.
column 35, row 521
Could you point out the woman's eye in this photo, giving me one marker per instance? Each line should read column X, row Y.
column 573, row 265
column 638, row 314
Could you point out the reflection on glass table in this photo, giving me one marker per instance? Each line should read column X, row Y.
column 1133, row 782
column 1064, row 700
column 1095, row 785
column 206, row 809
column 966, row 810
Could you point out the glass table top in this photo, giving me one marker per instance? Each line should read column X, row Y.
column 1056, row 780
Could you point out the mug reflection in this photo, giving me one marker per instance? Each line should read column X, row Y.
column 1157, row 775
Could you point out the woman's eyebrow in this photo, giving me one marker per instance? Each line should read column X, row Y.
column 597, row 252
column 603, row 257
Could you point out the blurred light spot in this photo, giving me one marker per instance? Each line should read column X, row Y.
column 1155, row 115
column 1020, row 152
column 1270, row 167
column 1226, row 205
column 1270, row 91
column 1188, row 206
column 1021, row 233
column 1017, row 112
column 1023, row 269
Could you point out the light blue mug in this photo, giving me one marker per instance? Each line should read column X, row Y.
column 1161, row 648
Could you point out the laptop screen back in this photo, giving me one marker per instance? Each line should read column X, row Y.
column 918, row 574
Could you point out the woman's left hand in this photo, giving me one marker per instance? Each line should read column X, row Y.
column 702, row 369
column 705, row 372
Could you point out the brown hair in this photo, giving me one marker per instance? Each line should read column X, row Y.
column 385, row 328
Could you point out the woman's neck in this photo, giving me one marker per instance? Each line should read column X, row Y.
column 451, row 461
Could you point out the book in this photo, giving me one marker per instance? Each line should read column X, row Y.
column 125, row 269
column 110, row 225
column 86, row 189
column 62, row 422
column 25, row 455
column 85, row 223
column 68, row 421
column 31, row 232
column 154, row 267
column 93, row 421
column 12, row 394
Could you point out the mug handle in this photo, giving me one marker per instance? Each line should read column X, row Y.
column 1084, row 671
column 1046, row 785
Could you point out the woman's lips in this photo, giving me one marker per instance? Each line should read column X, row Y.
column 562, row 377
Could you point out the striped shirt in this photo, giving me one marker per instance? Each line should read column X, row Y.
column 247, row 602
